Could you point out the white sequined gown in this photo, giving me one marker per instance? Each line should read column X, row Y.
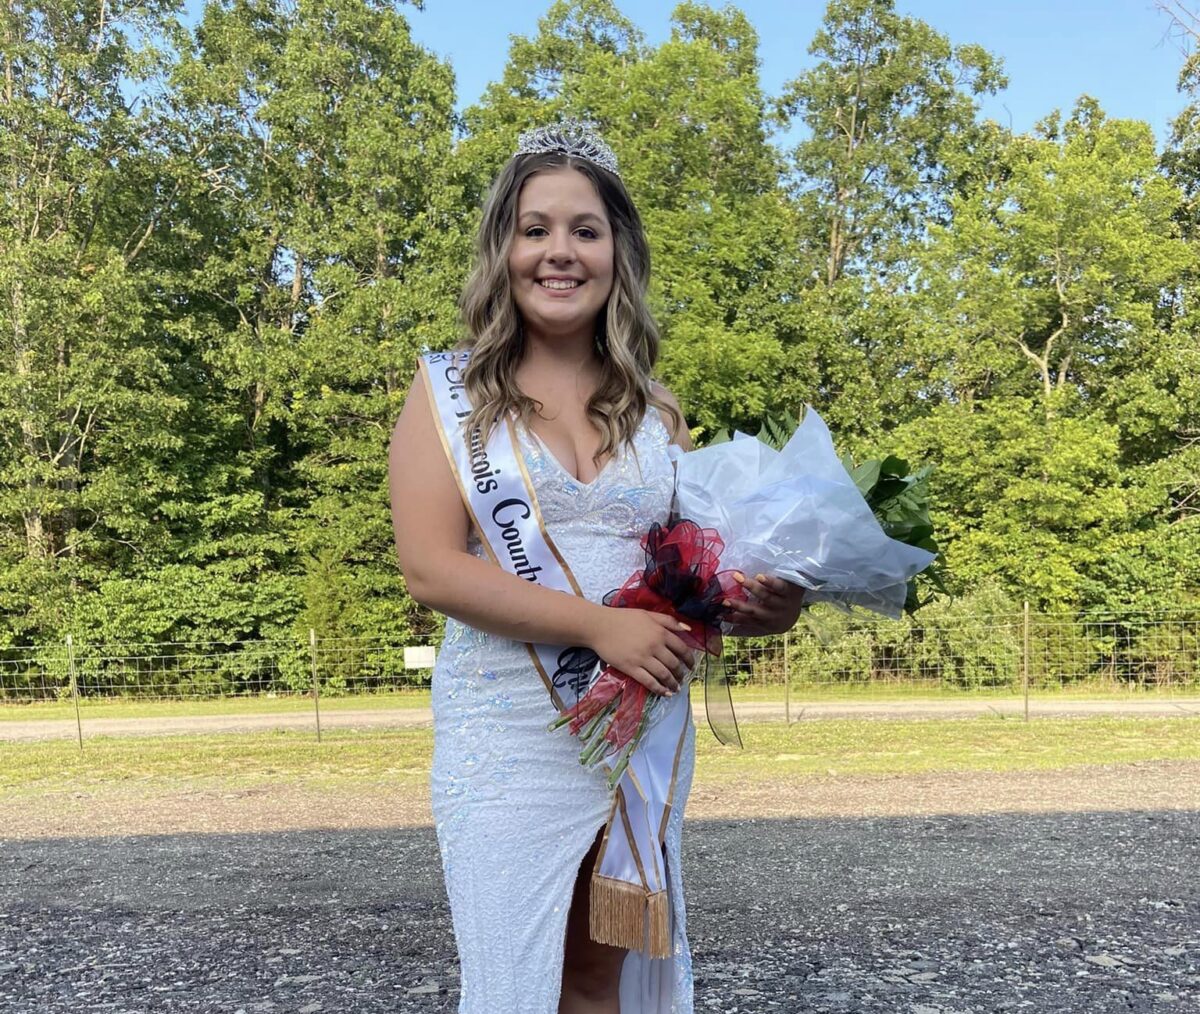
column 515, row 811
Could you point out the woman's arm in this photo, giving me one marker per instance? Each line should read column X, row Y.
column 431, row 526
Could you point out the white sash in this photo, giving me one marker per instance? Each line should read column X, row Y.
column 629, row 893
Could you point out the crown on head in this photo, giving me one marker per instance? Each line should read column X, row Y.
column 571, row 137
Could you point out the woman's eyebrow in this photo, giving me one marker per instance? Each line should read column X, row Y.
column 583, row 216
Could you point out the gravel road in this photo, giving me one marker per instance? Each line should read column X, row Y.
column 1069, row 891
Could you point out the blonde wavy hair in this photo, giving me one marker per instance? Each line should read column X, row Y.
column 625, row 326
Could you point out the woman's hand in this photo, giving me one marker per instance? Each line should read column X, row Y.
column 774, row 607
column 645, row 646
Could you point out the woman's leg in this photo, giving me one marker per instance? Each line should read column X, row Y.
column 591, row 971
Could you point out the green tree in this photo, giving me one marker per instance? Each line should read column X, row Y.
column 890, row 110
column 889, row 113
column 91, row 402
column 334, row 129
column 1041, row 302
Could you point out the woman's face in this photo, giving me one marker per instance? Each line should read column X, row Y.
column 561, row 261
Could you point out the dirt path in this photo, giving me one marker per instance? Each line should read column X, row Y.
column 283, row 805
column 15, row 730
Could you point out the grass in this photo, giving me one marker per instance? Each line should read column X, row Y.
column 236, row 760
column 900, row 691
column 774, row 751
column 993, row 743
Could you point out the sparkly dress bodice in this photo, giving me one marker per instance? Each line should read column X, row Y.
column 515, row 811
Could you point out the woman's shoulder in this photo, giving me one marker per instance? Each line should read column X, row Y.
column 679, row 434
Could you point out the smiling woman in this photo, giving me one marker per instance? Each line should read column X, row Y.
column 561, row 270
column 560, row 331
column 526, row 467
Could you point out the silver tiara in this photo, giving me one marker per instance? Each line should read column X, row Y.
column 572, row 137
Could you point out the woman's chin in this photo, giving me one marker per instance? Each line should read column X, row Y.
column 562, row 320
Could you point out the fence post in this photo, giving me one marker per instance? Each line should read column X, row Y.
column 787, row 683
column 74, row 688
column 1025, row 659
column 870, row 657
column 316, row 683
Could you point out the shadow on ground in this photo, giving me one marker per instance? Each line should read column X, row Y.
column 1079, row 911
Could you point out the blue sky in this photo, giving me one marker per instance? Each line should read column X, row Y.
column 1053, row 50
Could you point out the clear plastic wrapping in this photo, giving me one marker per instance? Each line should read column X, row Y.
column 797, row 514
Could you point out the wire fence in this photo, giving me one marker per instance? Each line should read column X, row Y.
column 827, row 653
column 199, row 670
column 1022, row 652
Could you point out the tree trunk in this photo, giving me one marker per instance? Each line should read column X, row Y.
column 36, row 544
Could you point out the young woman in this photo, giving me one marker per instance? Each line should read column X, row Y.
column 561, row 349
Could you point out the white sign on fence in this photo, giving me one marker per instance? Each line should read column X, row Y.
column 419, row 657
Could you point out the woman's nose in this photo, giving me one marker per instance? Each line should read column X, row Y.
column 560, row 248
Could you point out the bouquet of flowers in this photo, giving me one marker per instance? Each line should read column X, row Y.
column 799, row 514
column 682, row 579
column 795, row 513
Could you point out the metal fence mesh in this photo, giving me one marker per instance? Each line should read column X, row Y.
column 827, row 652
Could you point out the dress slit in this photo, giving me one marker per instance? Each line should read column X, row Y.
column 579, row 870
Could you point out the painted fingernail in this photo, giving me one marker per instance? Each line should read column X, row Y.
column 727, row 603
column 760, row 577
column 739, row 577
column 684, row 626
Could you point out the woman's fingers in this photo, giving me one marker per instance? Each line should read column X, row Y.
column 763, row 587
column 681, row 653
column 664, row 677
column 746, row 610
column 681, row 650
column 668, row 621
column 676, row 665
column 648, row 680
column 773, row 605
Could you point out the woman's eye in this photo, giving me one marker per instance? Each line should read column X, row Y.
column 537, row 231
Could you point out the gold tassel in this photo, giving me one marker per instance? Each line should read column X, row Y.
column 617, row 913
column 659, row 914
column 621, row 913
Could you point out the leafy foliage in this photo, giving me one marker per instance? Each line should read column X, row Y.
column 222, row 249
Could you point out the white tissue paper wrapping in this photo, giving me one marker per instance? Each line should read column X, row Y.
column 797, row 514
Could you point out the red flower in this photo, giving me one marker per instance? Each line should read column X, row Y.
column 681, row 579
column 629, row 712
column 607, row 687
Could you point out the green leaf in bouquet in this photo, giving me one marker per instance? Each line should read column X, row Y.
column 886, row 489
column 920, row 534
column 892, row 465
column 865, row 477
column 777, row 432
column 898, row 530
